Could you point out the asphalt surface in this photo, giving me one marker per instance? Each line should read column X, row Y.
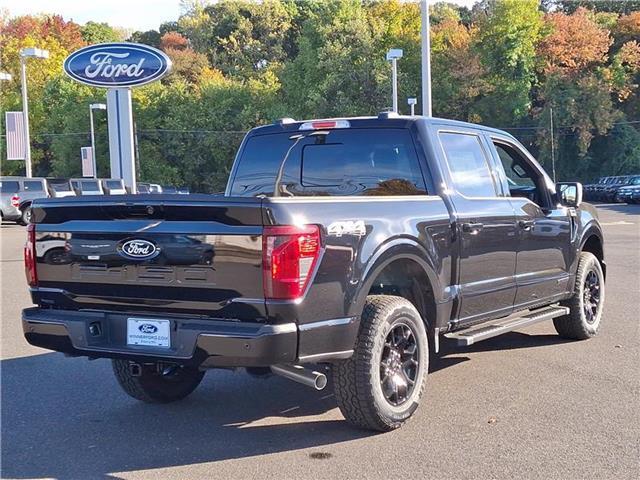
column 524, row 405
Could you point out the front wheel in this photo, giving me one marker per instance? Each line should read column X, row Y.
column 380, row 386
column 156, row 383
column 25, row 216
column 585, row 314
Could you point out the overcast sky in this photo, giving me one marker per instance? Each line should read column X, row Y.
column 132, row 14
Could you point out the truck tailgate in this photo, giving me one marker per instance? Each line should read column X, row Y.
column 192, row 254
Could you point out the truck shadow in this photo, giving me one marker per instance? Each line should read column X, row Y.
column 67, row 419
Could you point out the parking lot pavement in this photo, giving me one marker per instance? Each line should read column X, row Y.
column 524, row 405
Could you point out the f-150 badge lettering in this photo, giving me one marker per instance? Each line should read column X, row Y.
column 350, row 227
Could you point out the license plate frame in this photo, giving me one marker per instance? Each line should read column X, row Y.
column 148, row 332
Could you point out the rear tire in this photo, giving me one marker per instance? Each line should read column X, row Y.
column 586, row 304
column 152, row 386
column 380, row 386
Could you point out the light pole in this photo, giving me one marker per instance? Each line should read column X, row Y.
column 393, row 55
column 425, row 50
column 92, row 107
column 412, row 103
column 4, row 77
column 24, row 54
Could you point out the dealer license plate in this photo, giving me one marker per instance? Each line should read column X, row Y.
column 148, row 332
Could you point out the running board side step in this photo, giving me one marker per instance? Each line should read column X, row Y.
column 471, row 336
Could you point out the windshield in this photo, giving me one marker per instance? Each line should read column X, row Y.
column 90, row 186
column 380, row 161
column 61, row 187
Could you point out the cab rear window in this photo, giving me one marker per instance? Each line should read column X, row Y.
column 331, row 162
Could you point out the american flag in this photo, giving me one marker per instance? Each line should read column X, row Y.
column 87, row 161
column 16, row 148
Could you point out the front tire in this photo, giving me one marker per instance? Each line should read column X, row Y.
column 586, row 304
column 380, row 386
column 25, row 216
column 157, row 383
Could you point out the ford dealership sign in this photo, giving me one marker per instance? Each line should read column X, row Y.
column 117, row 65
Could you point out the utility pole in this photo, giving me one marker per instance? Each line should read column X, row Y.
column 553, row 147
column 425, row 48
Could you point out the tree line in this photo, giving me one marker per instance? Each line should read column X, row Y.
column 239, row 64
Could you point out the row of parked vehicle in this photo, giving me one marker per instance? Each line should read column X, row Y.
column 620, row 189
column 17, row 193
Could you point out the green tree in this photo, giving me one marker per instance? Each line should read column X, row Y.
column 94, row 32
column 506, row 43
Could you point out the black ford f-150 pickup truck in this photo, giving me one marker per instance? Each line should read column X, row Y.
column 349, row 245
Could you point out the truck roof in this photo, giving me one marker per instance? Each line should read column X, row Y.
column 383, row 120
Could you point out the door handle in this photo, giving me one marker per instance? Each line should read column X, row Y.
column 472, row 227
column 525, row 224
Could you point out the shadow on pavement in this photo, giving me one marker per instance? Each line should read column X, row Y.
column 80, row 425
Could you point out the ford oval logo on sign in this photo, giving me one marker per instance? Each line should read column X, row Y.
column 117, row 65
column 138, row 249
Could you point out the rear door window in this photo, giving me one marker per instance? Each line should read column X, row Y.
column 33, row 186
column 468, row 164
column 9, row 186
column 335, row 162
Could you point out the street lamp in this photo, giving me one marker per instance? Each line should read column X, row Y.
column 5, row 77
column 92, row 107
column 393, row 55
column 412, row 103
column 24, row 54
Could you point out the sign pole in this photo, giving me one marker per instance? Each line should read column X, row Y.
column 121, row 141
column 425, row 47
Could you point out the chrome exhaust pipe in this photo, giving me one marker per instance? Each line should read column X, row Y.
column 299, row 374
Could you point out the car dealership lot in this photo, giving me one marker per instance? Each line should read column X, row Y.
column 527, row 404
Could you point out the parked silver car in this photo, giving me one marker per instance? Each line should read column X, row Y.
column 59, row 188
column 86, row 186
column 113, row 186
column 16, row 195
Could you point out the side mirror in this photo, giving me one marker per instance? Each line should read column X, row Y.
column 569, row 193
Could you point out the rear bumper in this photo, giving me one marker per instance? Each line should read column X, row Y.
column 11, row 213
column 194, row 341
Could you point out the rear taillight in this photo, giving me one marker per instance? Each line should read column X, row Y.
column 15, row 201
column 289, row 256
column 30, row 256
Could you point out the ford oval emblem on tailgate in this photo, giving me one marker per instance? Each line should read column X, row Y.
column 148, row 328
column 138, row 249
